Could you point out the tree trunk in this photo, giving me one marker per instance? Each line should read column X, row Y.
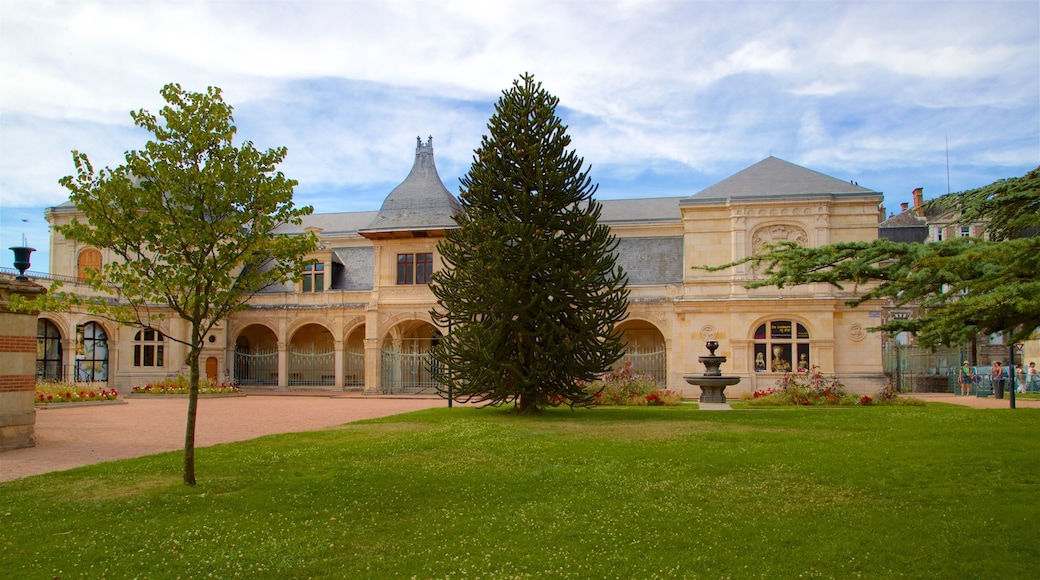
column 189, row 430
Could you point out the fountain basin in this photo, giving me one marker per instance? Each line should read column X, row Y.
column 712, row 387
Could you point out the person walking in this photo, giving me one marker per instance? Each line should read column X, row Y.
column 964, row 379
column 998, row 376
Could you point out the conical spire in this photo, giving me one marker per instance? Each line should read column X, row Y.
column 421, row 205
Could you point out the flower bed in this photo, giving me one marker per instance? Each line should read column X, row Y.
column 811, row 387
column 179, row 385
column 623, row 386
column 52, row 393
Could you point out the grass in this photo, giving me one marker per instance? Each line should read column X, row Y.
column 629, row 492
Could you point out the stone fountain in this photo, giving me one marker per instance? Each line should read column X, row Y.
column 712, row 382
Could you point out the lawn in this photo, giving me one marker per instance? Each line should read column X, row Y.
column 632, row 492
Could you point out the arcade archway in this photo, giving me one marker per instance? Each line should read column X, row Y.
column 645, row 349
column 256, row 356
column 407, row 366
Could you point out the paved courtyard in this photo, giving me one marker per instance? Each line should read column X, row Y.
column 76, row 436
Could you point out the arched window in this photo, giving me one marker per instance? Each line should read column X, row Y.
column 91, row 353
column 148, row 348
column 781, row 346
column 89, row 258
column 48, row 351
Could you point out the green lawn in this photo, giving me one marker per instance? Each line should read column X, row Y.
column 936, row 491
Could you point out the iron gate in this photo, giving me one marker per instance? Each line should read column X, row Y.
column 646, row 361
column 256, row 368
column 406, row 368
column 313, row 366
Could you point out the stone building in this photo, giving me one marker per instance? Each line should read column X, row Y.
column 359, row 319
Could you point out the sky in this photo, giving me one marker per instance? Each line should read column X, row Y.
column 661, row 98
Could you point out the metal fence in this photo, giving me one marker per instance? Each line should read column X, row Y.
column 920, row 370
column 406, row 368
column 312, row 366
column 256, row 368
column 646, row 361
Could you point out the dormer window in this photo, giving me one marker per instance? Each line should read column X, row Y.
column 314, row 277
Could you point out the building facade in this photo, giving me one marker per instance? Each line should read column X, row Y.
column 360, row 318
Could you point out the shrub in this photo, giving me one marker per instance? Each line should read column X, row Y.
column 808, row 387
column 179, row 385
column 889, row 396
column 624, row 386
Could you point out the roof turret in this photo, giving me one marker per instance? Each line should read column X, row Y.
column 420, row 207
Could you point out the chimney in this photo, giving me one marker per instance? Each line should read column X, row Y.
column 918, row 199
column 904, row 206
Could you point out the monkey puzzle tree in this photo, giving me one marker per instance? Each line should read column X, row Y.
column 530, row 292
column 190, row 218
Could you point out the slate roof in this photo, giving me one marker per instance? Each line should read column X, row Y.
column 907, row 226
column 348, row 222
column 421, row 203
column 358, row 269
column 651, row 209
column 774, row 178
column 906, row 219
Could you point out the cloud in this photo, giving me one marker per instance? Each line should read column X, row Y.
column 661, row 97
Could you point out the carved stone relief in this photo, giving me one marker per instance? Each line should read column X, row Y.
column 778, row 233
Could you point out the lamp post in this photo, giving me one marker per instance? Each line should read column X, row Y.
column 21, row 260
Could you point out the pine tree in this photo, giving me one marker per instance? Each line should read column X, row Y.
column 530, row 291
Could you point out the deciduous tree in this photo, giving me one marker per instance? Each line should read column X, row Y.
column 530, row 292
column 190, row 218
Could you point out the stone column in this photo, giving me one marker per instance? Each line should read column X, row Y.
column 337, row 363
column 17, row 367
column 283, row 365
column 373, row 366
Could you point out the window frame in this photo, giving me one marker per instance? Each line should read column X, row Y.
column 405, row 269
column 91, row 353
column 49, row 356
column 149, row 349
column 313, row 279
column 791, row 337
column 424, row 268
